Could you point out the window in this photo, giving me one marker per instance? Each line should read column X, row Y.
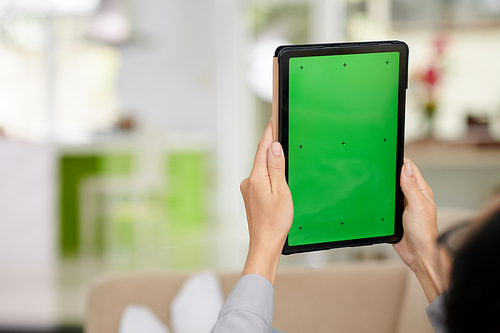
column 57, row 74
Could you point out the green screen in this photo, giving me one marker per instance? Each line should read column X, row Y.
column 343, row 115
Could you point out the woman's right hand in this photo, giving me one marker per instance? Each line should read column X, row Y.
column 418, row 248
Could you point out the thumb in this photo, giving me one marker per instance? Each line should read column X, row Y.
column 276, row 164
column 409, row 183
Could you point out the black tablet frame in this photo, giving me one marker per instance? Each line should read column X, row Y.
column 283, row 54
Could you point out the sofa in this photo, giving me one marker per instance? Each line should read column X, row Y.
column 373, row 297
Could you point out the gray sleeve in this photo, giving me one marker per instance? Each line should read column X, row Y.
column 248, row 308
column 436, row 311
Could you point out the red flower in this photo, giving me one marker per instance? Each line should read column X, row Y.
column 431, row 76
column 440, row 42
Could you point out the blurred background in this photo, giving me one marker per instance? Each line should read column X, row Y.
column 126, row 127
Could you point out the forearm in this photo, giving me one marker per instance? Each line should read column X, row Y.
column 433, row 272
column 248, row 308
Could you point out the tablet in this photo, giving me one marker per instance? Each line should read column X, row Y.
column 339, row 112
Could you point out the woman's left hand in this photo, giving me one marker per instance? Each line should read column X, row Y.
column 269, row 208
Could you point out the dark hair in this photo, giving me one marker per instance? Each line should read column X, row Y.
column 473, row 302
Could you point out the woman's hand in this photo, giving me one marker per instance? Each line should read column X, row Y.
column 418, row 248
column 269, row 207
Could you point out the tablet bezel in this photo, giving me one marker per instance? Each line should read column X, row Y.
column 280, row 109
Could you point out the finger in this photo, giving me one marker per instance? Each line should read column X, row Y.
column 244, row 187
column 244, row 191
column 260, row 161
column 422, row 184
column 409, row 183
column 276, row 165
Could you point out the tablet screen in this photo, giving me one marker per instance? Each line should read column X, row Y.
column 342, row 146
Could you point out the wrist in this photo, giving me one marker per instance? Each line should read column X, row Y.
column 263, row 261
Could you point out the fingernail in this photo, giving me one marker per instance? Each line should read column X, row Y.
column 276, row 149
column 408, row 169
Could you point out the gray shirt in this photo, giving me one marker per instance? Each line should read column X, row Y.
column 249, row 308
column 437, row 315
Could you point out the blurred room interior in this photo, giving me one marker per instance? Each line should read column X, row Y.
column 126, row 127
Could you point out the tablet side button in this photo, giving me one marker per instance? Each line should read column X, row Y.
column 275, row 104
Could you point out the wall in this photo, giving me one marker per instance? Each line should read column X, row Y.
column 168, row 69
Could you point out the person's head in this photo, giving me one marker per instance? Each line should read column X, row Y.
column 473, row 302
